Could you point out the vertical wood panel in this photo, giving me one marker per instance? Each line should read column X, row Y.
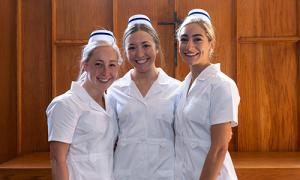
column 67, row 68
column 8, row 89
column 35, row 75
column 267, row 77
column 73, row 21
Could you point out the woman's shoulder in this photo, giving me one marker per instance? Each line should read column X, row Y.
column 66, row 101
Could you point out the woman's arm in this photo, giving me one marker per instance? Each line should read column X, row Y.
column 58, row 155
column 220, row 138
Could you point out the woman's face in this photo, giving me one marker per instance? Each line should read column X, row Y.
column 141, row 51
column 194, row 45
column 102, row 68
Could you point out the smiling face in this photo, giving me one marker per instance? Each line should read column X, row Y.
column 101, row 68
column 194, row 45
column 141, row 51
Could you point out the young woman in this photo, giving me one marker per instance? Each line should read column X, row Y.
column 144, row 103
column 81, row 127
column 207, row 108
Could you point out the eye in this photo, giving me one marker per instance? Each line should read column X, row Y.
column 183, row 39
column 146, row 45
column 197, row 39
column 130, row 48
column 113, row 65
column 99, row 65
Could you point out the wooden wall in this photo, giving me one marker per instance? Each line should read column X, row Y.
column 257, row 46
column 8, row 85
column 267, row 75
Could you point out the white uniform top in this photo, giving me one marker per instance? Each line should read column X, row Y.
column 213, row 98
column 145, row 149
column 75, row 118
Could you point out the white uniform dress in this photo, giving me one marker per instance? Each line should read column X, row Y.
column 213, row 98
column 75, row 118
column 145, row 149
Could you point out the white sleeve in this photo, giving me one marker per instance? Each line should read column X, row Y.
column 224, row 104
column 62, row 121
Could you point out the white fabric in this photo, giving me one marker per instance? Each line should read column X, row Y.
column 75, row 118
column 199, row 13
column 139, row 19
column 145, row 149
column 102, row 35
column 213, row 98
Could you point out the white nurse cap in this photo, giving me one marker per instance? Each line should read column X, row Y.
column 201, row 14
column 139, row 19
column 102, row 35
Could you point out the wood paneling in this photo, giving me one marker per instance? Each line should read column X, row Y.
column 8, row 88
column 35, row 74
column 267, row 76
column 257, row 45
column 267, row 18
column 73, row 21
column 67, row 68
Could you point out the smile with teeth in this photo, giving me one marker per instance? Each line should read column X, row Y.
column 103, row 80
column 190, row 54
column 141, row 61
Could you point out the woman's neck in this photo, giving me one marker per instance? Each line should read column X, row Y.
column 144, row 81
column 197, row 69
column 96, row 94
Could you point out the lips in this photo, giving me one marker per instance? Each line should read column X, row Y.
column 189, row 54
column 103, row 80
column 141, row 61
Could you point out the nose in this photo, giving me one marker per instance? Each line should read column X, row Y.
column 189, row 45
column 104, row 71
column 140, row 52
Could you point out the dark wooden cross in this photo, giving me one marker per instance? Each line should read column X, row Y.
column 176, row 21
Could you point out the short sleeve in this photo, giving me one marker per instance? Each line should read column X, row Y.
column 62, row 121
column 224, row 104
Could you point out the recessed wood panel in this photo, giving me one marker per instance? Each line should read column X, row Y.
column 8, row 89
column 267, row 18
column 76, row 19
column 35, row 74
column 67, row 67
column 267, row 80
column 223, row 19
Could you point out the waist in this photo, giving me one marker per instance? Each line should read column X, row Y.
column 108, row 155
column 154, row 141
column 191, row 141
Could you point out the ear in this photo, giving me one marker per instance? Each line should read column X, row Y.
column 212, row 44
column 84, row 65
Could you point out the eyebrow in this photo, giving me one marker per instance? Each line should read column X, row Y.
column 144, row 42
column 194, row 35
column 100, row 60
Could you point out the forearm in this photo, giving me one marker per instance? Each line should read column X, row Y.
column 59, row 170
column 213, row 163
